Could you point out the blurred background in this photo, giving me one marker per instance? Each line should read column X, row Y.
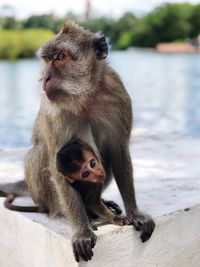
column 155, row 49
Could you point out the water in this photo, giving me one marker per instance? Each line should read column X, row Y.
column 165, row 90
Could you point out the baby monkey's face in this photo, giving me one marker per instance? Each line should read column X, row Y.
column 91, row 170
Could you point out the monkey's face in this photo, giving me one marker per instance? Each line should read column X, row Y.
column 71, row 60
column 91, row 170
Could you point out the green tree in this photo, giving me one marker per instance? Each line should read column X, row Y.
column 195, row 21
column 40, row 21
column 170, row 22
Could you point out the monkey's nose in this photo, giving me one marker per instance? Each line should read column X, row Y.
column 47, row 78
column 102, row 175
column 46, row 81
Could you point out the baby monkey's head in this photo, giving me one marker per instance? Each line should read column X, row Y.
column 77, row 162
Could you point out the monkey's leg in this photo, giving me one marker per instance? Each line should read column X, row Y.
column 123, row 172
column 112, row 206
column 71, row 204
column 17, row 188
column 103, row 212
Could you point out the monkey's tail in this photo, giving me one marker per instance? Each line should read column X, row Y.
column 18, row 189
column 8, row 204
column 11, row 191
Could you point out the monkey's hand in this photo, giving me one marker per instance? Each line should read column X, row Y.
column 143, row 223
column 82, row 243
column 121, row 220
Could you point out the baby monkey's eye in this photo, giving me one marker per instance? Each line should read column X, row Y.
column 85, row 174
column 92, row 163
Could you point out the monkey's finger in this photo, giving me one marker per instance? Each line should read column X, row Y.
column 76, row 256
column 143, row 237
column 147, row 231
column 145, row 234
column 81, row 251
column 93, row 241
column 88, row 249
column 150, row 228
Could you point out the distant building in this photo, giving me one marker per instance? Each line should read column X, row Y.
column 198, row 41
column 177, row 47
column 88, row 10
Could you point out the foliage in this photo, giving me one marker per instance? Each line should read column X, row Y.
column 21, row 44
column 194, row 21
column 167, row 23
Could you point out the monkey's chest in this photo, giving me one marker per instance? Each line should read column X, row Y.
column 89, row 192
column 103, row 118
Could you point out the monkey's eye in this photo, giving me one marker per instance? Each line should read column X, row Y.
column 47, row 59
column 92, row 163
column 61, row 56
column 85, row 174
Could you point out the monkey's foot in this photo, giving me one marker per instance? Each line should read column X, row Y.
column 121, row 221
column 82, row 244
column 112, row 206
column 143, row 223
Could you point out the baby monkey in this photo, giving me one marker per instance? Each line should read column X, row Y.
column 79, row 165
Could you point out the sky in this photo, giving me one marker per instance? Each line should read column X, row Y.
column 114, row 8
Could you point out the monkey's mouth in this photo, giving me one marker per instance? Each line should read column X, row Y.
column 54, row 93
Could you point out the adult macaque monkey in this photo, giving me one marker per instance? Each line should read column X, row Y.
column 84, row 99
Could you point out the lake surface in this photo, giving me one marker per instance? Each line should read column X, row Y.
column 165, row 90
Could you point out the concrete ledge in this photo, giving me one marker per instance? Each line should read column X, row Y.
column 30, row 242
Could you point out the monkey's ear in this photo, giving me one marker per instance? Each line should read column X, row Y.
column 100, row 45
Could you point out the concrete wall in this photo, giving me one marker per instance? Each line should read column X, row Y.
column 34, row 242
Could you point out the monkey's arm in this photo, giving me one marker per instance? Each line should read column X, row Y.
column 83, row 239
column 123, row 172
